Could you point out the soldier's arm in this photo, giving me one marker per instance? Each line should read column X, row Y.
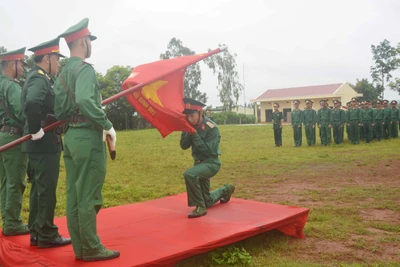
column 209, row 145
column 35, row 95
column 186, row 141
column 14, row 99
column 87, row 93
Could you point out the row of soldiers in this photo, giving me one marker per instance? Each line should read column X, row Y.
column 74, row 97
column 360, row 120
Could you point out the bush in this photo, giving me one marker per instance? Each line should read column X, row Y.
column 233, row 118
column 231, row 256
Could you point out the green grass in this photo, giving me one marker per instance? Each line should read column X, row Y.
column 149, row 167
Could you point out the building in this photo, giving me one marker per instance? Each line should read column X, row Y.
column 340, row 91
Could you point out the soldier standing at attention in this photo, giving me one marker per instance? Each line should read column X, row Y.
column 297, row 120
column 205, row 152
column 386, row 119
column 324, row 123
column 354, row 121
column 44, row 149
column 337, row 121
column 78, row 100
column 346, row 122
column 309, row 120
column 13, row 162
column 368, row 121
column 379, row 120
column 277, row 120
column 362, row 109
column 394, row 119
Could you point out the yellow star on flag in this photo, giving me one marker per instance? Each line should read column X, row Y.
column 150, row 91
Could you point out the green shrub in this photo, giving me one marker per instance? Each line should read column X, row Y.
column 231, row 256
column 222, row 118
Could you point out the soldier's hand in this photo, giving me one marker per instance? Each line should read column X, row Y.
column 112, row 133
column 313, row 126
column 319, row 126
column 38, row 135
column 329, row 126
column 383, row 123
column 348, row 124
column 299, row 126
column 391, row 122
column 280, row 126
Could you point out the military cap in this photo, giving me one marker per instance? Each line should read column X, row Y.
column 385, row 100
column 308, row 101
column 354, row 99
column 49, row 47
column 323, row 100
column 78, row 31
column 336, row 101
column 296, row 101
column 276, row 103
column 378, row 101
column 18, row 54
column 393, row 102
column 192, row 105
column 348, row 103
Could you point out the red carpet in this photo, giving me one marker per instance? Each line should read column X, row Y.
column 158, row 232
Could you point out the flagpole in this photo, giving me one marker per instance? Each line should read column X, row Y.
column 114, row 97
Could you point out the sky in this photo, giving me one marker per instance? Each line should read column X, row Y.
column 279, row 44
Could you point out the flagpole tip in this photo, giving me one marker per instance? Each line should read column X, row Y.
column 223, row 48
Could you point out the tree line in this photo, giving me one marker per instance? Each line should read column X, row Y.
column 386, row 61
column 124, row 116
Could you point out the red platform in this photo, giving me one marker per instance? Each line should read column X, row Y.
column 158, row 232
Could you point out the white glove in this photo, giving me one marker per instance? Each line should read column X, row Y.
column 112, row 133
column 38, row 135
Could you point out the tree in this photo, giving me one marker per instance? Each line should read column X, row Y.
column 229, row 86
column 193, row 73
column 368, row 90
column 395, row 85
column 2, row 50
column 120, row 112
column 386, row 61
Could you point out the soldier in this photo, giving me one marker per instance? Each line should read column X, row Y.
column 13, row 162
column 78, row 99
column 309, row 120
column 208, row 114
column 348, row 104
column 324, row 123
column 362, row 108
column 394, row 119
column 44, row 149
column 337, row 121
column 354, row 121
column 386, row 119
column 277, row 120
column 297, row 120
column 368, row 121
column 205, row 152
column 379, row 120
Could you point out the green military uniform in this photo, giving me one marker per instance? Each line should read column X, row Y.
column 379, row 118
column 394, row 120
column 386, row 118
column 277, row 118
column 337, row 121
column 309, row 121
column 353, row 120
column 297, row 120
column 13, row 162
column 84, row 148
column 367, row 120
column 205, row 151
column 44, row 154
column 346, row 122
column 361, row 106
column 324, row 124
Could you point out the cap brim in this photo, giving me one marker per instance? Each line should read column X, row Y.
column 189, row 111
column 24, row 62
column 92, row 37
column 60, row 55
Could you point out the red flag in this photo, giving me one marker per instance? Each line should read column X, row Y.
column 160, row 102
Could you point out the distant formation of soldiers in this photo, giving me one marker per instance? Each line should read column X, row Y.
column 361, row 120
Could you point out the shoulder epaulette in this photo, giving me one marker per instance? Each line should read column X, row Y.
column 210, row 124
column 40, row 72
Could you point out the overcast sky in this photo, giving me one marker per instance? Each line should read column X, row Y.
column 278, row 44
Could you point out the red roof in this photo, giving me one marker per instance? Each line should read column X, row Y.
column 300, row 91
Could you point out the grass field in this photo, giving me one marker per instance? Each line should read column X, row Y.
column 352, row 192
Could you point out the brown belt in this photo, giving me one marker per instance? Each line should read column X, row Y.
column 11, row 130
column 79, row 118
